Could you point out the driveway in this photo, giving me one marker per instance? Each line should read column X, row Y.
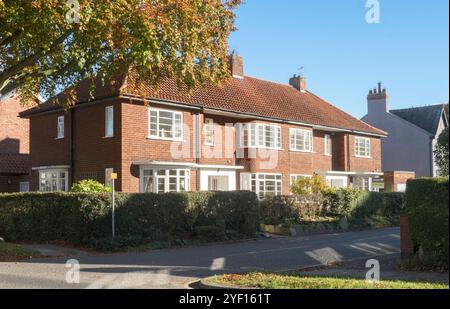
column 174, row 268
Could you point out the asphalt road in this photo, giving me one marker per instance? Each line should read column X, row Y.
column 174, row 268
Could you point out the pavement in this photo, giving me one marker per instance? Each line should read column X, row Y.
column 175, row 268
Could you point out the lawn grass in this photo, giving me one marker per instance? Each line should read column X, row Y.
column 294, row 281
column 11, row 252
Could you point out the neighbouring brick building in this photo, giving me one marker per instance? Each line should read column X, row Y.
column 14, row 145
column 247, row 134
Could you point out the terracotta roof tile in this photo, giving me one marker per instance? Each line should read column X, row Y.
column 14, row 164
column 249, row 95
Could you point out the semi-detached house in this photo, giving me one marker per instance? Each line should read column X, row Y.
column 246, row 134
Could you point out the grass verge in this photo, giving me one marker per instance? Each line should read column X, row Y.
column 11, row 252
column 294, row 281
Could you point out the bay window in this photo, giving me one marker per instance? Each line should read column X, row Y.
column 165, row 180
column 262, row 184
column 301, row 140
column 165, row 124
column 53, row 180
column 362, row 147
column 258, row 135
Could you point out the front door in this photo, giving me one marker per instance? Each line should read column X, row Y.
column 218, row 183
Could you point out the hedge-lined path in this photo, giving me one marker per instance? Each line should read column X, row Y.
column 174, row 268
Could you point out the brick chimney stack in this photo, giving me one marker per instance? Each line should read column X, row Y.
column 298, row 82
column 377, row 100
column 237, row 66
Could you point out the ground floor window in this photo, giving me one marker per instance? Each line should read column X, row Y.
column 362, row 183
column 53, row 180
column 262, row 184
column 165, row 180
column 337, row 182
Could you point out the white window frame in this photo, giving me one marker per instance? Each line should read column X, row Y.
column 209, row 131
column 367, row 147
column 256, row 177
column 295, row 177
column 307, row 135
column 109, row 121
column 174, row 125
column 256, row 134
column 60, row 128
column 166, row 177
column 327, row 145
column 58, row 173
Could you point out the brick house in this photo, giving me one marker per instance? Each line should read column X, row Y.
column 247, row 134
column 14, row 145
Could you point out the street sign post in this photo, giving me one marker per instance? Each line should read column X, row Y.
column 113, row 179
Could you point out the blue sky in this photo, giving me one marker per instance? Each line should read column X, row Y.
column 342, row 55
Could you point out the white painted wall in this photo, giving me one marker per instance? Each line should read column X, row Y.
column 407, row 148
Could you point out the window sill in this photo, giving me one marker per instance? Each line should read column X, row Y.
column 302, row 151
column 165, row 139
column 363, row 157
column 59, row 138
column 107, row 137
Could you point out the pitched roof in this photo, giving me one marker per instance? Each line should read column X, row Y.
column 425, row 117
column 250, row 96
column 14, row 164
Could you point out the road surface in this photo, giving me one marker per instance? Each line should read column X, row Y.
column 174, row 268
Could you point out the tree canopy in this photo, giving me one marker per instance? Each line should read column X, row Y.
column 51, row 45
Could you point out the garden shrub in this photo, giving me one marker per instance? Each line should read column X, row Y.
column 90, row 186
column 81, row 218
column 356, row 205
column 283, row 209
column 427, row 209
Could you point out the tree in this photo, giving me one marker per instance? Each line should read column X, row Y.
column 50, row 45
column 441, row 153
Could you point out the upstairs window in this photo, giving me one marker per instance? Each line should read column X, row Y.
column 362, row 147
column 301, row 140
column 109, row 121
column 328, row 146
column 262, row 136
column 166, row 125
column 209, row 132
column 60, row 127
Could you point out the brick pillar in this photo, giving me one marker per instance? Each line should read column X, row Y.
column 406, row 244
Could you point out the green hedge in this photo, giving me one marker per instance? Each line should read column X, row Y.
column 350, row 203
column 427, row 208
column 80, row 218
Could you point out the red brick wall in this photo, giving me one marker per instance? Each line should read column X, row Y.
column 10, row 184
column 393, row 179
column 94, row 153
column 372, row 164
column 14, row 131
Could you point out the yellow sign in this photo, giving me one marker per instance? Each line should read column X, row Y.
column 113, row 176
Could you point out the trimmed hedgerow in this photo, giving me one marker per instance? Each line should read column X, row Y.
column 80, row 218
column 427, row 208
column 349, row 203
